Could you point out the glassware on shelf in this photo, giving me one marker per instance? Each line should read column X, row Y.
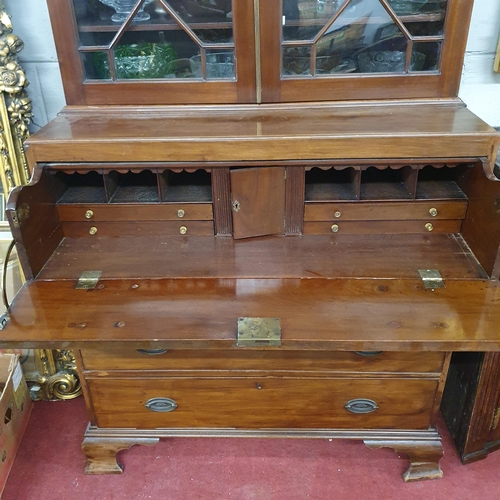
column 388, row 61
column 123, row 8
column 219, row 65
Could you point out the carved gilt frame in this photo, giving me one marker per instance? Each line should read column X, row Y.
column 51, row 374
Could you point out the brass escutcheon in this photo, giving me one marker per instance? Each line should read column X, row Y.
column 335, row 228
column 92, row 230
column 183, row 230
column 89, row 214
column 429, row 227
column 181, row 213
column 433, row 212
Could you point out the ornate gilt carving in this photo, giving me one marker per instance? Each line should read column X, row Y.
column 50, row 374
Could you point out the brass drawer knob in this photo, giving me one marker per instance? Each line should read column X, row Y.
column 433, row 212
column 335, row 228
column 89, row 214
column 337, row 214
column 92, row 230
column 183, row 230
column 429, row 227
column 361, row 405
column 181, row 213
column 161, row 405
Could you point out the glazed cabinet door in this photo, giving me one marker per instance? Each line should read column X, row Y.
column 361, row 49
column 155, row 51
column 258, row 201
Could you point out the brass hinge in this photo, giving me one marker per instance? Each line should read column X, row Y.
column 432, row 278
column 495, row 420
column 259, row 332
column 88, row 280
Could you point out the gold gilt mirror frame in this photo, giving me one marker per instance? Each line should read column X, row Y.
column 51, row 374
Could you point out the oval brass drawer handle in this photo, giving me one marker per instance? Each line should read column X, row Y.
column 152, row 352
column 368, row 354
column 161, row 405
column 361, row 405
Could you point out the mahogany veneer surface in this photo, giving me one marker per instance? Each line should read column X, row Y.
column 320, row 256
column 222, row 133
column 347, row 314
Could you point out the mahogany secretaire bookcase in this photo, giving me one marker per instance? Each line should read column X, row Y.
column 260, row 218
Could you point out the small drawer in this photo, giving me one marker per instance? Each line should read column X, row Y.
column 245, row 360
column 385, row 211
column 138, row 228
column 383, row 227
column 134, row 212
column 263, row 403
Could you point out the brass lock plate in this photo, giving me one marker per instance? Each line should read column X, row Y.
column 259, row 332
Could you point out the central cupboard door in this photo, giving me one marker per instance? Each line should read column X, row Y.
column 258, row 201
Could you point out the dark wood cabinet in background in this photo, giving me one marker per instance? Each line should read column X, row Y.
column 300, row 268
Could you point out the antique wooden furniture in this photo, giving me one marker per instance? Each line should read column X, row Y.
column 286, row 232
column 471, row 403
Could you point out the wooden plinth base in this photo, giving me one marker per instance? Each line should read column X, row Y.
column 423, row 448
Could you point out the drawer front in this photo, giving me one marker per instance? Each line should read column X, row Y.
column 145, row 228
column 133, row 212
column 383, row 227
column 415, row 210
column 245, row 360
column 265, row 403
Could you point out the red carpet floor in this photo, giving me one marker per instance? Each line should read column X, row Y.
column 49, row 466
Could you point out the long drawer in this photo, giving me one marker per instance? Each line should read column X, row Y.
column 130, row 212
column 366, row 211
column 135, row 228
column 263, row 403
column 383, row 226
column 245, row 360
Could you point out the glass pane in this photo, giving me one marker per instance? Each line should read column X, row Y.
column 96, row 65
column 119, row 10
column 425, row 56
column 154, row 55
column 363, row 39
column 94, row 22
column 410, row 7
column 428, row 28
column 296, row 61
column 304, row 20
column 193, row 11
column 220, row 65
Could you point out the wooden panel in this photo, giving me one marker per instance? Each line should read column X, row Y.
column 143, row 228
column 66, row 36
column 110, row 213
column 34, row 222
column 384, row 211
column 240, row 403
column 245, row 361
column 354, row 315
column 481, row 227
column 383, row 227
column 384, row 256
column 294, row 200
column 296, row 132
column 221, row 194
column 260, row 197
